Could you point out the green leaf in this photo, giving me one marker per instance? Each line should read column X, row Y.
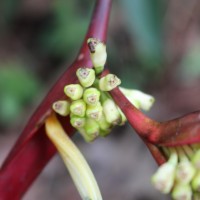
column 17, row 87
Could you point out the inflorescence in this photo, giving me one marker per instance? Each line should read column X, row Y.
column 92, row 110
column 180, row 175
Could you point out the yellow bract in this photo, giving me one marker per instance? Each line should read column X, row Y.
column 73, row 159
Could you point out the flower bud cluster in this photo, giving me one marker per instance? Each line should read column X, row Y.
column 180, row 175
column 91, row 109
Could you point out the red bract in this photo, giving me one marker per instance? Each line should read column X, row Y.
column 176, row 132
column 33, row 150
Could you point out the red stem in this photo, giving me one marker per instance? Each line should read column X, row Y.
column 33, row 150
column 180, row 131
column 146, row 128
column 142, row 124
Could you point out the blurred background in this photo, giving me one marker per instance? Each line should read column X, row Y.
column 152, row 45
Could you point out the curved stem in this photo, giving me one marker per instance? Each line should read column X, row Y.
column 33, row 150
column 180, row 131
column 142, row 124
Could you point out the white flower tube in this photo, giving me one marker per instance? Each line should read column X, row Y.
column 182, row 191
column 74, row 160
column 163, row 179
column 139, row 99
column 97, row 53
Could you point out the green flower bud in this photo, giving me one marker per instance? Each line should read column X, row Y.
column 91, row 96
column 86, row 76
column 182, row 192
column 139, row 99
column 78, row 108
column 91, row 128
column 94, row 112
column 196, row 159
column 196, row 182
column 77, row 122
column 111, row 112
column 163, row 179
column 73, row 91
column 97, row 53
column 109, row 82
column 61, row 107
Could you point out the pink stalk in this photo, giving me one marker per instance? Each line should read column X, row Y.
column 33, row 150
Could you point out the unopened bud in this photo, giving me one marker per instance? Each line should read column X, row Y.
column 91, row 96
column 86, row 76
column 61, row 107
column 182, row 192
column 94, row 112
column 109, row 82
column 139, row 99
column 97, row 53
column 111, row 112
column 78, row 108
column 163, row 179
column 73, row 91
column 77, row 122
